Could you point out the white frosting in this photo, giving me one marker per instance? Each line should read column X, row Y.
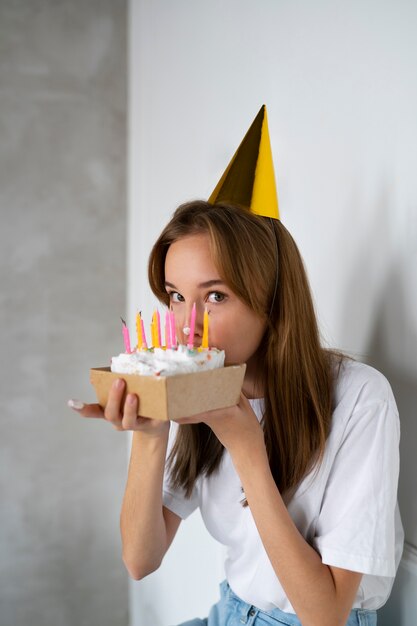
column 161, row 362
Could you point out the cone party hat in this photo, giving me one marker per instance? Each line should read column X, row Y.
column 249, row 179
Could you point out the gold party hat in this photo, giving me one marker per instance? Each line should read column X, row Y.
column 249, row 179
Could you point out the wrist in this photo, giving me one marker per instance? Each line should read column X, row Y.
column 251, row 458
column 154, row 439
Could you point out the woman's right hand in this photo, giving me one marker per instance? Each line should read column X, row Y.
column 121, row 417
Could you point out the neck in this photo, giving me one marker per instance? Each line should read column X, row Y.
column 252, row 384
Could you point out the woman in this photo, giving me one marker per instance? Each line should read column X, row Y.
column 299, row 479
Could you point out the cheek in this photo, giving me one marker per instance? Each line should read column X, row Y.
column 239, row 337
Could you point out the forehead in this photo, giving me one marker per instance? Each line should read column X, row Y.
column 191, row 255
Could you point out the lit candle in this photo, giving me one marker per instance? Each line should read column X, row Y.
column 126, row 337
column 173, row 331
column 204, row 341
column 190, row 343
column 167, row 331
column 139, row 330
column 144, row 342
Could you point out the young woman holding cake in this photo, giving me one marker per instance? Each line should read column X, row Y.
column 299, row 479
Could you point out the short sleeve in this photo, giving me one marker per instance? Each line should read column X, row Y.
column 356, row 527
column 174, row 499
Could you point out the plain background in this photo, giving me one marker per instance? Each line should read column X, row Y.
column 340, row 85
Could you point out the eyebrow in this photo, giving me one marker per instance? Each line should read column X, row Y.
column 208, row 283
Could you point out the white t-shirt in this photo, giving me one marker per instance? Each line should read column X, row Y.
column 347, row 510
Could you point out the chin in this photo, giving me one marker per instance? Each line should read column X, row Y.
column 233, row 360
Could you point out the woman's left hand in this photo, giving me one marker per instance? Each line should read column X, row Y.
column 236, row 427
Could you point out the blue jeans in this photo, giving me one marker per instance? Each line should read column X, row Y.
column 232, row 611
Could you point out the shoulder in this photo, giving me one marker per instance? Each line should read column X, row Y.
column 363, row 398
column 359, row 385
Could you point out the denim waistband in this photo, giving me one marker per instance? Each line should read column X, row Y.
column 250, row 615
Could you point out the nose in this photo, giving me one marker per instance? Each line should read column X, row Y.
column 198, row 328
column 185, row 323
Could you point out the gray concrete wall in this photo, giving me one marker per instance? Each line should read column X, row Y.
column 62, row 289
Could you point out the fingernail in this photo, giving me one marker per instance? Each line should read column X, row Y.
column 76, row 404
column 131, row 399
column 118, row 384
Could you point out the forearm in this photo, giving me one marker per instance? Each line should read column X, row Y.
column 142, row 524
column 308, row 583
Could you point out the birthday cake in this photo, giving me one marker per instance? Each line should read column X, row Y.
column 167, row 362
column 172, row 381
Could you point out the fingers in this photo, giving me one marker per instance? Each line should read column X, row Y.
column 207, row 416
column 113, row 408
column 130, row 414
column 122, row 418
column 86, row 410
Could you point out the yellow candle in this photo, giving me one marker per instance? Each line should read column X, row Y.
column 139, row 331
column 204, row 341
column 155, row 334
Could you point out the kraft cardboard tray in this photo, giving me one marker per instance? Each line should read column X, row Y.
column 173, row 397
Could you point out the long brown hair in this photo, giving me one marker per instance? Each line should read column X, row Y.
column 259, row 260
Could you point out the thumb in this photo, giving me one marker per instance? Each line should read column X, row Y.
column 86, row 410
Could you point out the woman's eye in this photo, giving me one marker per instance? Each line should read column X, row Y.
column 216, row 296
column 174, row 296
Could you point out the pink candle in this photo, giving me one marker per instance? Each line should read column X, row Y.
column 190, row 343
column 173, row 331
column 144, row 344
column 168, row 331
column 126, row 337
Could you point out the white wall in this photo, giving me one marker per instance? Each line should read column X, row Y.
column 339, row 80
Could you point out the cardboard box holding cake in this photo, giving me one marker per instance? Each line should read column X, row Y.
column 172, row 381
